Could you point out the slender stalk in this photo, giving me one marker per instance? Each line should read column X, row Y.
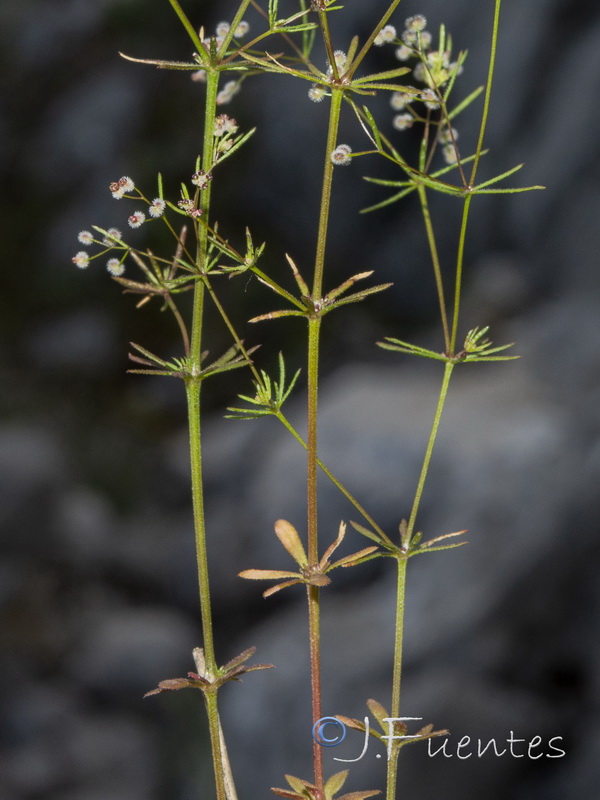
column 397, row 674
column 332, row 132
column 436, row 263
column 460, row 257
column 284, row 420
column 449, row 366
column 186, row 24
column 314, row 327
column 338, row 484
column 369, row 43
column 193, row 390
column 314, row 634
column 478, row 151
column 313, row 592
column 392, row 767
column 488, row 91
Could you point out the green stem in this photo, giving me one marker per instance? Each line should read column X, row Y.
column 314, row 327
column 239, row 14
column 332, row 132
column 338, row 484
column 478, row 151
column 488, row 92
column 436, row 263
column 397, row 673
column 313, row 545
column 368, row 44
column 460, row 257
column 449, row 366
column 193, row 389
column 392, row 765
column 188, row 26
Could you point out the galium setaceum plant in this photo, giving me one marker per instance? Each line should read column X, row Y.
column 422, row 86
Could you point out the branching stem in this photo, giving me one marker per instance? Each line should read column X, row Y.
column 193, row 389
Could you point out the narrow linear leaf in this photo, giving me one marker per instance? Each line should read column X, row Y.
column 357, row 296
column 380, row 538
column 289, row 538
column 508, row 191
column 281, row 586
column 244, row 656
column 266, row 574
column 465, row 103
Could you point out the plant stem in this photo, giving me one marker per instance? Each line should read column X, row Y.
column 448, row 367
column 193, row 389
column 478, row 151
column 460, row 257
column 488, row 91
column 369, row 43
column 338, row 484
column 392, row 767
column 392, row 764
column 436, row 263
column 314, row 327
column 332, row 132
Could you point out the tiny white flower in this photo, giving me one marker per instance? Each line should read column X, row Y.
column 228, row 91
column 201, row 179
column 81, row 259
column 199, row 76
column 341, row 155
column 416, row 23
column 430, row 98
column 136, row 219
column 399, row 100
column 121, row 187
column 425, row 38
column 340, row 58
column 386, row 35
column 449, row 153
column 224, row 145
column 222, row 29
column 111, row 235
column 403, row 121
column 223, row 125
column 85, row 237
column 317, row 92
column 241, row 30
column 445, row 136
column 115, row 267
column 419, row 72
column 223, row 98
column 157, row 208
column 403, row 53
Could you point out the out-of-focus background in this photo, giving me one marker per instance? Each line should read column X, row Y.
column 98, row 597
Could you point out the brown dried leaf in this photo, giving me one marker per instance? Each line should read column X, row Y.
column 289, row 538
column 239, row 659
column 264, row 574
column 379, row 712
column 280, row 586
column 333, row 546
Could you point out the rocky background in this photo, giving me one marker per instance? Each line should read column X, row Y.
column 98, row 597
